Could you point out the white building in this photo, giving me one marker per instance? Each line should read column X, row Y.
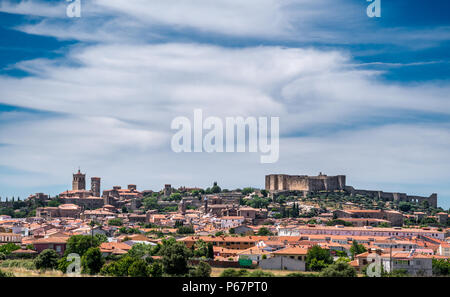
column 231, row 222
column 444, row 249
column 359, row 231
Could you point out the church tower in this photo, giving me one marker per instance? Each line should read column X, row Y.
column 95, row 186
column 79, row 181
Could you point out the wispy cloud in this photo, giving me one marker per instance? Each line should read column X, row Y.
column 114, row 94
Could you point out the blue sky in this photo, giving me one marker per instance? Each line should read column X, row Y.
column 365, row 97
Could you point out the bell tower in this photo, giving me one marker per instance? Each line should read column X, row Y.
column 79, row 181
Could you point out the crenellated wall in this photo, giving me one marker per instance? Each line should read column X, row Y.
column 283, row 182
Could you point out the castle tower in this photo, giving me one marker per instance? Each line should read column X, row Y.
column 182, row 207
column 167, row 190
column 95, row 186
column 79, row 181
column 206, row 204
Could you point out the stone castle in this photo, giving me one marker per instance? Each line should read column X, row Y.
column 322, row 182
column 276, row 183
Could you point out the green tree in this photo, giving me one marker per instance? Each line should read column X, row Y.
column 258, row 202
column 156, row 269
column 215, row 189
column 404, row 206
column 139, row 268
column 200, row 248
column 115, row 222
column 142, row 251
column 174, row 257
column 92, row 261
column 119, row 267
column 263, row 231
column 47, row 259
column 185, row 230
column 338, row 269
column 203, row 269
column 150, row 202
column 246, row 191
column 210, row 251
column 357, row 249
column 441, row 267
column 175, row 197
column 6, row 249
column 101, row 237
column 79, row 244
column 318, row 258
column 54, row 203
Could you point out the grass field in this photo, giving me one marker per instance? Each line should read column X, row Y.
column 215, row 272
column 22, row 272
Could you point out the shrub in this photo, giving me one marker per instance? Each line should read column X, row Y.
column 26, row 264
column 260, row 273
column 297, row 274
column 338, row 269
column 47, row 259
column 230, row 272
column 202, row 270
column 6, row 274
column 318, row 258
column 139, row 268
column 156, row 269
column 92, row 261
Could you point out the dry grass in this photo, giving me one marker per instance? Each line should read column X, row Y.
column 22, row 272
column 215, row 272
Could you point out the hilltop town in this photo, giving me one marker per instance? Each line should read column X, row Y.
column 296, row 224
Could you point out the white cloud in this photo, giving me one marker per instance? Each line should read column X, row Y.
column 251, row 17
column 139, row 21
column 115, row 100
column 118, row 101
column 35, row 8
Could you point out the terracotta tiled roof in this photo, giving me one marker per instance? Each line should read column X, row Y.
column 291, row 251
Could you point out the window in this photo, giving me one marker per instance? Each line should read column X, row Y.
column 401, row 262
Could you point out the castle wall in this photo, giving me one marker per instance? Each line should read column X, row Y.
column 297, row 183
column 282, row 182
column 398, row 197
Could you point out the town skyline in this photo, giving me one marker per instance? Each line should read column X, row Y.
column 359, row 95
column 142, row 188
